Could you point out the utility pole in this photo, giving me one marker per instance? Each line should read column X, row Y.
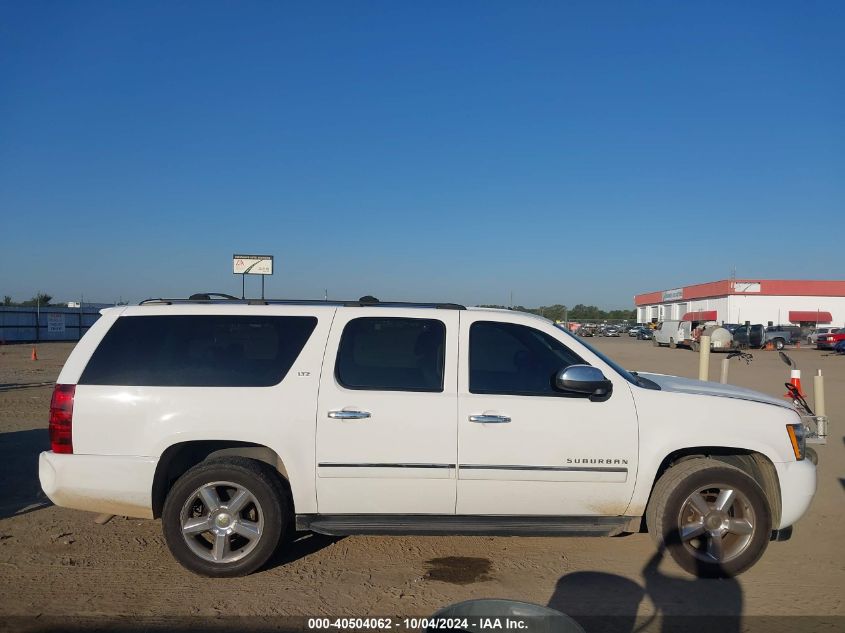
column 37, row 317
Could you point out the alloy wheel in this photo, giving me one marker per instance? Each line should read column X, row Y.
column 716, row 523
column 221, row 522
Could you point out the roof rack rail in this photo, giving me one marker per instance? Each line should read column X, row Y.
column 201, row 299
column 206, row 296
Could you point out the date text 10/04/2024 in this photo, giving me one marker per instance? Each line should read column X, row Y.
column 416, row 624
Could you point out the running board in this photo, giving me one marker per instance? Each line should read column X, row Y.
column 436, row 524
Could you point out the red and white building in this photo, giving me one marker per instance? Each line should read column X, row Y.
column 777, row 301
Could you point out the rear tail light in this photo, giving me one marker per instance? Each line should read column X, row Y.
column 61, row 419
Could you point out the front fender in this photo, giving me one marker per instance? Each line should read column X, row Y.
column 671, row 422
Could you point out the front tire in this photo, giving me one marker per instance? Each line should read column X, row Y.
column 779, row 344
column 712, row 518
column 225, row 517
column 672, row 344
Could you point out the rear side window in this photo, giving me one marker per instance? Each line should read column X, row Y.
column 392, row 354
column 198, row 351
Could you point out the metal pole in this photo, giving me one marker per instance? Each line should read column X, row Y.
column 723, row 378
column 704, row 358
column 38, row 317
column 243, row 286
column 79, row 331
column 262, row 287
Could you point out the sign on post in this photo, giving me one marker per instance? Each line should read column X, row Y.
column 252, row 265
column 56, row 323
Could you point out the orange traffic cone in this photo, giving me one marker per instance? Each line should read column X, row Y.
column 795, row 381
column 34, row 353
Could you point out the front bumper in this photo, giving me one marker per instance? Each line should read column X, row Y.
column 797, row 488
column 111, row 484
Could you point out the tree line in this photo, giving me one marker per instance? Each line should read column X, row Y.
column 41, row 299
column 579, row 312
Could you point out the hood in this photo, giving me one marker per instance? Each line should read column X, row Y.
column 704, row 388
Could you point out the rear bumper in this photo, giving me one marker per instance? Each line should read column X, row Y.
column 797, row 488
column 110, row 484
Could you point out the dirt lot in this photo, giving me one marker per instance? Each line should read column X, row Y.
column 58, row 562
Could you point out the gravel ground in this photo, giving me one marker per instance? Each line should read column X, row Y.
column 58, row 563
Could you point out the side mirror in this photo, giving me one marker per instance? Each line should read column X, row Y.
column 585, row 380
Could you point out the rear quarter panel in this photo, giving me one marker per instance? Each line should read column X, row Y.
column 145, row 421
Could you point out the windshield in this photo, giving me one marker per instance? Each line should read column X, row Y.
column 631, row 377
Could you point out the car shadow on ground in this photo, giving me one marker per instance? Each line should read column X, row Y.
column 300, row 545
column 11, row 386
column 605, row 603
column 19, row 471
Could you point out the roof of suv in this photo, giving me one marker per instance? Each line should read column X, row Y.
column 227, row 300
column 213, row 299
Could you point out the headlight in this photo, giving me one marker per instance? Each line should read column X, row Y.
column 798, row 439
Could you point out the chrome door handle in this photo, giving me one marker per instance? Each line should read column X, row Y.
column 343, row 414
column 489, row 419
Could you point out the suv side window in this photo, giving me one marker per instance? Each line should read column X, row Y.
column 392, row 354
column 198, row 351
column 506, row 358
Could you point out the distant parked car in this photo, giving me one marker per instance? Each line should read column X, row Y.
column 781, row 335
column 757, row 335
column 813, row 337
column 790, row 333
column 745, row 336
column 610, row 331
column 829, row 340
column 645, row 334
column 668, row 333
column 839, row 348
column 635, row 330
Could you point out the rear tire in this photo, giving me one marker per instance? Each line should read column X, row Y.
column 655, row 343
column 672, row 344
column 779, row 344
column 225, row 517
column 712, row 518
column 695, row 346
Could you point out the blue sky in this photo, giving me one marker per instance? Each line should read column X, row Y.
column 566, row 151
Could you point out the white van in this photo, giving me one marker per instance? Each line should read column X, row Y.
column 670, row 333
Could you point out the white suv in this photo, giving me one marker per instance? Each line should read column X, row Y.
column 238, row 422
